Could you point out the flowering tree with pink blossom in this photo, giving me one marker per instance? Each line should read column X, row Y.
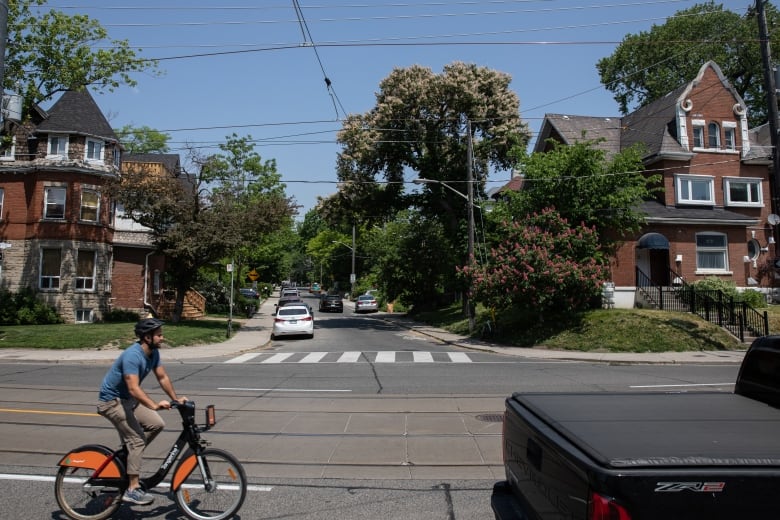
column 543, row 264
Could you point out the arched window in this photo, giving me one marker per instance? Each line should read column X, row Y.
column 713, row 135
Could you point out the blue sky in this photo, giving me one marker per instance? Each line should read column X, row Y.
column 248, row 67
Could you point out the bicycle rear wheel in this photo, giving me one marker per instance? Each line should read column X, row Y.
column 79, row 500
column 219, row 495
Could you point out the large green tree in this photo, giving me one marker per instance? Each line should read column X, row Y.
column 649, row 65
column 422, row 126
column 143, row 139
column 49, row 52
column 585, row 186
column 234, row 199
column 419, row 127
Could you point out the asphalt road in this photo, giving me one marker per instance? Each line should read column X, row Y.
column 366, row 420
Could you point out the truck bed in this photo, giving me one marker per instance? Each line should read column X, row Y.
column 657, row 430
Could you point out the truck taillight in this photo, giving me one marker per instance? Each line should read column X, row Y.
column 604, row 508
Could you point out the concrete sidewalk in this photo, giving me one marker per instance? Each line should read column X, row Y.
column 255, row 333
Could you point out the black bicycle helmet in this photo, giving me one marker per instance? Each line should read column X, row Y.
column 147, row 325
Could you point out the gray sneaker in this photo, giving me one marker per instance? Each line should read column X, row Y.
column 137, row 496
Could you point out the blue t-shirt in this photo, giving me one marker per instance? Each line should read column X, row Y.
column 131, row 361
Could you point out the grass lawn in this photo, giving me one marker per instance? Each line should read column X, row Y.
column 111, row 335
column 614, row 330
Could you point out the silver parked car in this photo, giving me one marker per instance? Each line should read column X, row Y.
column 366, row 303
column 293, row 320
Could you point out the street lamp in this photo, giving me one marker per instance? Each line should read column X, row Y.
column 469, row 196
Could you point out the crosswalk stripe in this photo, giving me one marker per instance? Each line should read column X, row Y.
column 352, row 357
column 422, row 357
column 314, row 357
column 459, row 357
column 385, row 357
column 278, row 358
column 244, row 358
column 349, row 357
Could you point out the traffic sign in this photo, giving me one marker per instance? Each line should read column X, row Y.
column 253, row 275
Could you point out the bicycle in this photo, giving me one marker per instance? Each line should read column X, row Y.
column 208, row 483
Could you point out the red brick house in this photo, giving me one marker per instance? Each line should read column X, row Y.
column 713, row 216
column 59, row 231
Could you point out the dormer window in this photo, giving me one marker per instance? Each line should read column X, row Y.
column 698, row 134
column 713, row 134
column 93, row 151
column 58, row 146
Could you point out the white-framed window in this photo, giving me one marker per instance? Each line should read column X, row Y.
column 730, row 135
column 743, row 191
column 695, row 189
column 156, row 282
column 51, row 263
column 90, row 205
column 54, row 202
column 711, row 252
column 698, row 133
column 85, row 270
column 58, row 146
column 117, row 157
column 8, row 151
column 83, row 316
column 93, row 151
column 713, row 136
column 2, row 198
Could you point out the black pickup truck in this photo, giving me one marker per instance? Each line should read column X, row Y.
column 639, row 456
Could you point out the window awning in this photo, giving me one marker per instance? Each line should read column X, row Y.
column 653, row 241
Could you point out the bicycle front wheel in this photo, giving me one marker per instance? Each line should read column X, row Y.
column 81, row 501
column 215, row 487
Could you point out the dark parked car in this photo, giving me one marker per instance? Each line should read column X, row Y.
column 291, row 300
column 331, row 302
column 248, row 292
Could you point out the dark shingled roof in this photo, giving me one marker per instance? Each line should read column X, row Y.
column 653, row 125
column 77, row 113
column 170, row 161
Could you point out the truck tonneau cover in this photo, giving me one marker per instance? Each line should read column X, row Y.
column 657, row 430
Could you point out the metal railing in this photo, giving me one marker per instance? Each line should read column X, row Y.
column 739, row 318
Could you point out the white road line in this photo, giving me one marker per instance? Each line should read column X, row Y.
column 422, row 357
column 163, row 486
column 278, row 358
column 459, row 357
column 349, row 357
column 385, row 357
column 243, row 358
column 682, row 386
column 239, row 389
column 314, row 357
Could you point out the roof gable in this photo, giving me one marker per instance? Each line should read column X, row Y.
column 76, row 112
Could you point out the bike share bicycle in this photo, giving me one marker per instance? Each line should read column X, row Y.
column 208, row 483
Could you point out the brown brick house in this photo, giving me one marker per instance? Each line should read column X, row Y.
column 60, row 233
column 713, row 217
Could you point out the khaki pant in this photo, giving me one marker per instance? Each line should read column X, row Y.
column 137, row 426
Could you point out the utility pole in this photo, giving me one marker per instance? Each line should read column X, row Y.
column 3, row 40
column 771, row 99
column 470, row 198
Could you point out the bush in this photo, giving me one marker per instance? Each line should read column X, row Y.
column 24, row 308
column 120, row 316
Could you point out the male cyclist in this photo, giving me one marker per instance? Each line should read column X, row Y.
column 129, row 408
